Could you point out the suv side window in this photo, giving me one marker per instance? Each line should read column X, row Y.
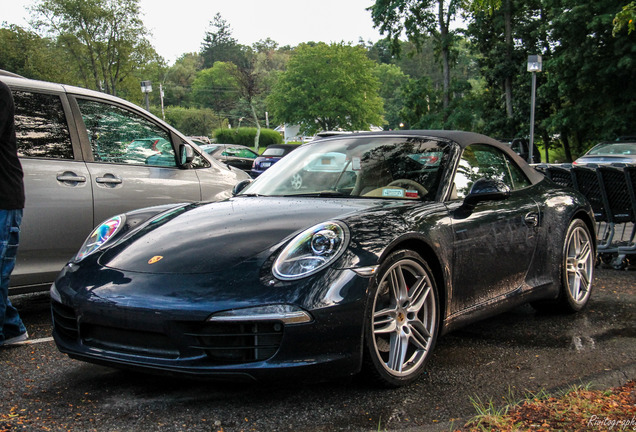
column 120, row 136
column 484, row 161
column 41, row 127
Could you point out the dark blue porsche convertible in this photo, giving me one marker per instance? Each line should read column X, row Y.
column 388, row 241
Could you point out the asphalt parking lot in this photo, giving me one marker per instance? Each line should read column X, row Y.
column 514, row 353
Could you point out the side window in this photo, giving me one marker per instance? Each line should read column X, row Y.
column 120, row 136
column 41, row 126
column 484, row 161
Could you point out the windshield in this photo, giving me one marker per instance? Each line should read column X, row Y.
column 614, row 149
column 273, row 152
column 374, row 167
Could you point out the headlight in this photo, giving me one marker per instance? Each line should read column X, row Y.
column 311, row 250
column 99, row 236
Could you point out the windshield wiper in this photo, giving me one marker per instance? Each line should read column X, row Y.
column 320, row 194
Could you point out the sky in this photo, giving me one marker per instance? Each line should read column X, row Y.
column 178, row 27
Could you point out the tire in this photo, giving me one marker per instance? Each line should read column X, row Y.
column 402, row 320
column 577, row 273
column 578, row 267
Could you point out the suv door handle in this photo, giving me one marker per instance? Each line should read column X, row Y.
column 70, row 177
column 108, row 179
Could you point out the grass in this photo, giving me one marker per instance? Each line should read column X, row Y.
column 576, row 409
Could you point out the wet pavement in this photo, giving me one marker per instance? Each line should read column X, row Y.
column 503, row 358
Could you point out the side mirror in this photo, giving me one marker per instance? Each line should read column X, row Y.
column 487, row 190
column 240, row 186
column 186, row 154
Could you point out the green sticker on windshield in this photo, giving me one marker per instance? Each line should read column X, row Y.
column 393, row 193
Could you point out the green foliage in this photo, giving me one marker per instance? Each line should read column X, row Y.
column 179, row 78
column 245, row 136
column 625, row 18
column 421, row 105
column 391, row 80
column 216, row 88
column 219, row 45
column 327, row 87
column 591, row 75
column 107, row 40
column 27, row 54
column 194, row 121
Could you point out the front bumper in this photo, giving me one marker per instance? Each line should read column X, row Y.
column 169, row 329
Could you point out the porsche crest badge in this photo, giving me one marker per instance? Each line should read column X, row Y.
column 155, row 259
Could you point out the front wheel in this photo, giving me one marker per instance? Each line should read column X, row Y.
column 402, row 321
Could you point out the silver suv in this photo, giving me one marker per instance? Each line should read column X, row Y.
column 87, row 156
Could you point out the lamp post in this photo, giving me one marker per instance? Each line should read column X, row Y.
column 146, row 87
column 534, row 66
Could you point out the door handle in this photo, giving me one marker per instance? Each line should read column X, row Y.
column 531, row 219
column 109, row 179
column 70, row 177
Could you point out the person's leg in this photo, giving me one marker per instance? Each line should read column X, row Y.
column 12, row 326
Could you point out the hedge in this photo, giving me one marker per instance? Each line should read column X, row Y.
column 245, row 136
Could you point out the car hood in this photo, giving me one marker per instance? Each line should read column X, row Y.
column 205, row 238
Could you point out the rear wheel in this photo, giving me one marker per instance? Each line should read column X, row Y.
column 578, row 267
column 402, row 321
column 578, row 260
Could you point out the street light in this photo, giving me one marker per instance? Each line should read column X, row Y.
column 146, row 87
column 534, row 66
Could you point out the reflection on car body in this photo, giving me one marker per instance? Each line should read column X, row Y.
column 234, row 155
column 394, row 239
column 87, row 155
column 272, row 154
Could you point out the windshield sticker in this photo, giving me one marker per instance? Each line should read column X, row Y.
column 355, row 164
column 429, row 159
column 412, row 194
column 393, row 193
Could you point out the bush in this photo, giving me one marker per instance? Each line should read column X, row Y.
column 245, row 136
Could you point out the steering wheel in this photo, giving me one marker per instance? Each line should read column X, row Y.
column 410, row 183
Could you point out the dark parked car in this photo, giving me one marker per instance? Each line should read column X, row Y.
column 272, row 154
column 235, row 155
column 623, row 152
column 437, row 230
column 87, row 155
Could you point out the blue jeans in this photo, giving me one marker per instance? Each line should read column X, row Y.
column 11, row 324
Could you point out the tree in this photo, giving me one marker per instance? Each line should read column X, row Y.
column 105, row 37
column 179, row 78
column 591, row 75
column 219, row 45
column 327, row 87
column 216, row 88
column 26, row 53
column 249, row 79
column 503, row 62
column 420, row 19
column 392, row 80
column 625, row 18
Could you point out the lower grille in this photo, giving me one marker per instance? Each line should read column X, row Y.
column 237, row 342
column 64, row 321
column 129, row 341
